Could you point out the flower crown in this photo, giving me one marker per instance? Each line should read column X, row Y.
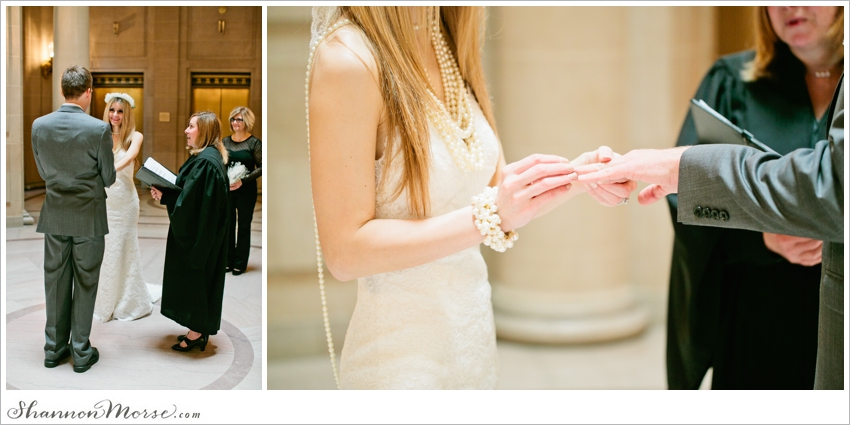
column 125, row 96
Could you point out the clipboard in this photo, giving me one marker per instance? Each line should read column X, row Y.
column 715, row 128
column 152, row 173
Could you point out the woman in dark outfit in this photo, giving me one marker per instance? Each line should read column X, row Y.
column 246, row 149
column 196, row 250
column 742, row 302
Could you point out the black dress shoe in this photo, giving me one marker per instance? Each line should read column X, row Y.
column 237, row 272
column 201, row 342
column 228, row 269
column 95, row 356
column 53, row 363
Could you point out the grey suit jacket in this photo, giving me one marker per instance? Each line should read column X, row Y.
column 73, row 152
column 801, row 193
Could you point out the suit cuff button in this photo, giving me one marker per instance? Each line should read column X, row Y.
column 724, row 216
column 698, row 211
column 715, row 214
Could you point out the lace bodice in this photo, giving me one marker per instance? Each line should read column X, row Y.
column 430, row 326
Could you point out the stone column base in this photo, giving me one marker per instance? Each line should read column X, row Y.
column 568, row 318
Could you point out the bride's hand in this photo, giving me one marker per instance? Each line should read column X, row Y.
column 602, row 154
column 609, row 194
column 531, row 187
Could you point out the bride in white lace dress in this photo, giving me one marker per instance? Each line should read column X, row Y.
column 401, row 138
column 122, row 293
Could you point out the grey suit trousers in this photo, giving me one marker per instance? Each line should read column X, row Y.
column 71, row 274
column 829, row 372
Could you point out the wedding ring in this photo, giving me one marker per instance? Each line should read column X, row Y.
column 624, row 201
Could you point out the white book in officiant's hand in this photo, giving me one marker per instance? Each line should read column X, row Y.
column 155, row 174
column 715, row 128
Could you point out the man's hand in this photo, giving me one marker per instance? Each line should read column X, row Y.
column 610, row 194
column 659, row 168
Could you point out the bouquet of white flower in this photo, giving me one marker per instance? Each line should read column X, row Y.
column 236, row 172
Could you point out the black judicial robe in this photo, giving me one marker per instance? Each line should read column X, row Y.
column 733, row 304
column 196, row 250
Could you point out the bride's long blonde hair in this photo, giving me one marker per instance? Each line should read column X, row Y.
column 128, row 123
column 404, row 83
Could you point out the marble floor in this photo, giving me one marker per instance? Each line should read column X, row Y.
column 634, row 363
column 298, row 357
column 135, row 354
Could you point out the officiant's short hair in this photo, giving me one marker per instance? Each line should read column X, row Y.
column 209, row 133
column 75, row 81
column 247, row 117
column 773, row 55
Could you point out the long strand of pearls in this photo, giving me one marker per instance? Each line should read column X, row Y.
column 319, row 263
column 487, row 221
column 454, row 119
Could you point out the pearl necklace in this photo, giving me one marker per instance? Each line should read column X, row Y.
column 825, row 73
column 454, row 119
column 319, row 262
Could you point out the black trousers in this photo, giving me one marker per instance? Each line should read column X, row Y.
column 242, row 204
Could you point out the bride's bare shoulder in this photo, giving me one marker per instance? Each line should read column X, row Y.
column 345, row 56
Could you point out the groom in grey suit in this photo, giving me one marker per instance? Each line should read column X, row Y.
column 801, row 194
column 73, row 152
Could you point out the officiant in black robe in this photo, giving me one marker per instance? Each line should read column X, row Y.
column 196, row 250
column 735, row 305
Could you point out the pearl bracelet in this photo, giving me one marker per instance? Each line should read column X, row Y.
column 487, row 221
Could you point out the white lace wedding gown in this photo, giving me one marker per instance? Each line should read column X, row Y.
column 122, row 293
column 430, row 326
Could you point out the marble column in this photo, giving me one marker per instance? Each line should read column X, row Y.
column 291, row 239
column 14, row 118
column 70, row 44
column 565, row 81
